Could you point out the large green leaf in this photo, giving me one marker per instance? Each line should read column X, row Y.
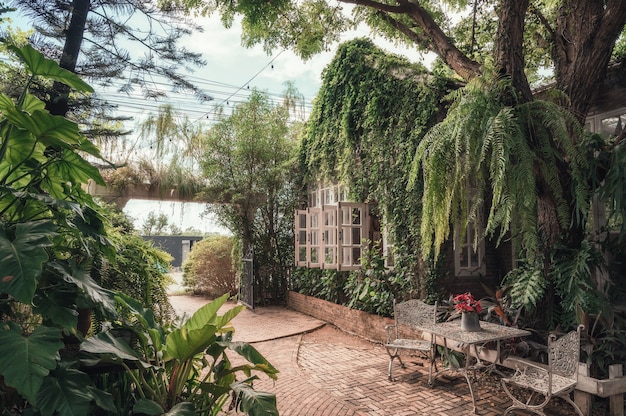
column 184, row 344
column 21, row 258
column 107, row 344
column 26, row 361
column 206, row 314
column 50, row 130
column 39, row 65
column 254, row 403
column 148, row 407
column 70, row 166
column 73, row 274
column 65, row 393
column 182, row 409
column 252, row 355
column 59, row 306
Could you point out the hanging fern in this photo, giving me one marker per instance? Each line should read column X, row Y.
column 485, row 149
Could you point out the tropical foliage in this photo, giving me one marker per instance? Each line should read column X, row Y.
column 181, row 370
column 50, row 231
column 57, row 250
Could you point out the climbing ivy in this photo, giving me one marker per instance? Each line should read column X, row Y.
column 368, row 119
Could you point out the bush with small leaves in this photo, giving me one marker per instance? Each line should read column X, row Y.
column 209, row 268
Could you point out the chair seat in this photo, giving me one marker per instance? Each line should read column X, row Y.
column 409, row 344
column 537, row 379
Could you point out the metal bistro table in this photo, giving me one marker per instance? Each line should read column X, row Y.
column 451, row 332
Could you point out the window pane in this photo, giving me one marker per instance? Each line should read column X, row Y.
column 301, row 220
column 347, row 256
column 314, row 255
column 356, row 255
column 329, row 255
column 302, row 237
column 356, row 235
column 473, row 258
column 612, row 126
column 346, row 236
column 302, row 254
column 356, row 216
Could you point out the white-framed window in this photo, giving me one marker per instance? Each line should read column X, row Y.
column 469, row 258
column 353, row 233
column 332, row 234
column 301, row 233
column 327, row 194
column 329, row 236
column 607, row 124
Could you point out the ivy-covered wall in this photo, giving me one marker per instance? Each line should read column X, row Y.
column 368, row 118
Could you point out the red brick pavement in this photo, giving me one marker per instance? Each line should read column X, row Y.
column 326, row 372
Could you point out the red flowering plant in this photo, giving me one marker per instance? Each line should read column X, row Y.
column 465, row 302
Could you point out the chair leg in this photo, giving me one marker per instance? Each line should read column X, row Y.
column 395, row 354
column 528, row 406
column 568, row 399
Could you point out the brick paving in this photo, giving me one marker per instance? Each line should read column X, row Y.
column 326, row 372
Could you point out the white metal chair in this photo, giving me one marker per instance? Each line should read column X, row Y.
column 558, row 379
column 413, row 314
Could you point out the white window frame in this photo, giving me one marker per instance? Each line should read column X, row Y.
column 351, row 229
column 470, row 250
column 594, row 122
column 321, row 240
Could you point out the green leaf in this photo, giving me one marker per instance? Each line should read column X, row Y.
column 148, row 407
column 26, row 361
column 183, row 343
column 50, row 130
column 64, row 392
column 182, row 409
column 39, row 65
column 254, row 403
column 59, row 306
column 81, row 278
column 21, row 258
column 71, row 165
column 252, row 355
column 106, row 343
column 206, row 314
column 103, row 399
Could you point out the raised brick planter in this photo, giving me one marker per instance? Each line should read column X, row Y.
column 352, row 321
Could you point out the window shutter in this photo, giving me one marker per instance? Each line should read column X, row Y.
column 353, row 233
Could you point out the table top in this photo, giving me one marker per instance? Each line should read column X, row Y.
column 451, row 330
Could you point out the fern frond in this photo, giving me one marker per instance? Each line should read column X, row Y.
column 526, row 286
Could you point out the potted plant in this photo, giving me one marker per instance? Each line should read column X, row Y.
column 469, row 308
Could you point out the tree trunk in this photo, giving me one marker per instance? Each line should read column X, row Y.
column 584, row 39
column 58, row 104
column 509, row 57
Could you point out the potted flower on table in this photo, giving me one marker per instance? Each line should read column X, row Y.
column 469, row 308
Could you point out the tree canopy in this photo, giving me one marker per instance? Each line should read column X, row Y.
column 124, row 45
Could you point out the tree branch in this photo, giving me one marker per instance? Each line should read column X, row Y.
column 421, row 40
column 439, row 42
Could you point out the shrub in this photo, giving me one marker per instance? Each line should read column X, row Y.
column 209, row 268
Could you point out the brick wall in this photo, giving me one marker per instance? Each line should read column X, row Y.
column 362, row 324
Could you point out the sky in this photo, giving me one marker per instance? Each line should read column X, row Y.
column 231, row 73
